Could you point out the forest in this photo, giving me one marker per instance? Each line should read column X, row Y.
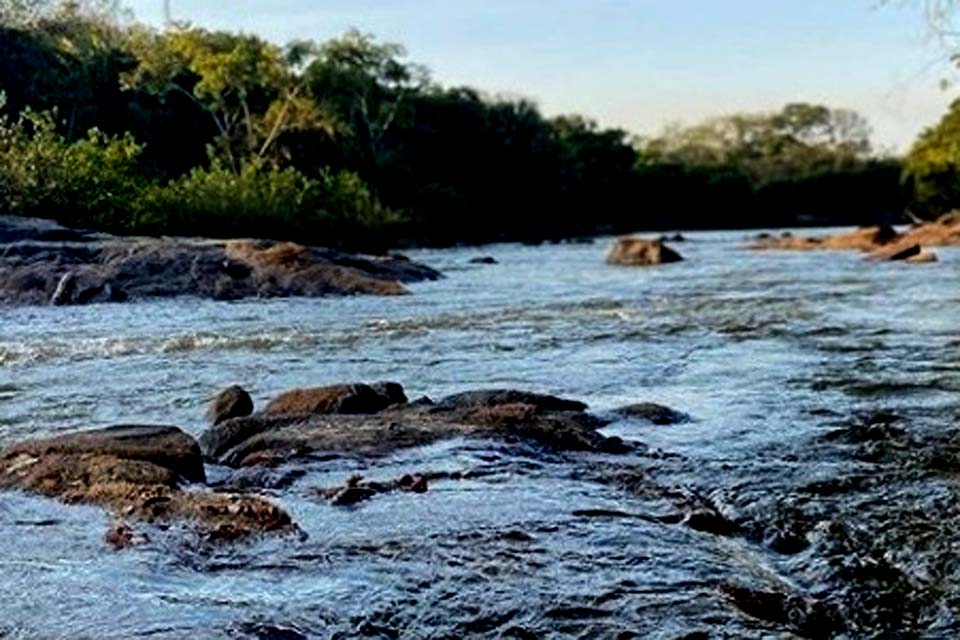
column 112, row 124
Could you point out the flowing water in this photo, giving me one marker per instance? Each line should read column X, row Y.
column 825, row 405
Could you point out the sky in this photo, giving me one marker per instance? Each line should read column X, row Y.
column 640, row 64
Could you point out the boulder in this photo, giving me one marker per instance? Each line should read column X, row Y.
column 342, row 398
column 232, row 402
column 651, row 412
column 483, row 260
column 136, row 472
column 166, row 447
column 641, row 252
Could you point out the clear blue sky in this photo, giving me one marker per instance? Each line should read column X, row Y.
column 639, row 64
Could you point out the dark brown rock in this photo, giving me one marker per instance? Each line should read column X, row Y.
column 295, row 431
column 165, row 447
column 651, row 412
column 36, row 269
column 634, row 252
column 135, row 472
column 343, row 398
column 232, row 402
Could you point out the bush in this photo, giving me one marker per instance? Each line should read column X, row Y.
column 265, row 201
column 94, row 181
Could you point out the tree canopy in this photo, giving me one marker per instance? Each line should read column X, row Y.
column 347, row 141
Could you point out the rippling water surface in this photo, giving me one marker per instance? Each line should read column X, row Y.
column 769, row 352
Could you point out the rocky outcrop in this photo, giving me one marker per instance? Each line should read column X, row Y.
column 290, row 430
column 641, row 252
column 139, row 472
column 880, row 242
column 43, row 263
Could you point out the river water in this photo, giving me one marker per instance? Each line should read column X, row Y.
column 825, row 405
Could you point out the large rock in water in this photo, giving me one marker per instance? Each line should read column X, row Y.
column 276, row 436
column 43, row 263
column 136, row 472
column 341, row 398
column 641, row 252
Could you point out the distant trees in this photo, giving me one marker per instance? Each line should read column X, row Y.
column 348, row 142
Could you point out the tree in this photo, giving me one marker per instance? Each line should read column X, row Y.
column 247, row 86
column 368, row 85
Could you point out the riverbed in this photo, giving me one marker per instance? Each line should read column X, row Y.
column 824, row 396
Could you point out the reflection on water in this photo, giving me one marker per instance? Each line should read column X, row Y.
column 770, row 352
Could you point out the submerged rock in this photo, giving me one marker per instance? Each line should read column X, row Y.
column 651, row 412
column 136, row 472
column 357, row 490
column 483, row 260
column 641, row 252
column 62, row 267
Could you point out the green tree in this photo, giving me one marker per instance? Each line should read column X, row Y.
column 247, row 86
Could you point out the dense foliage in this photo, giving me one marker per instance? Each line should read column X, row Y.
column 112, row 124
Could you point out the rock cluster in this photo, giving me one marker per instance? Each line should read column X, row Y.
column 44, row 263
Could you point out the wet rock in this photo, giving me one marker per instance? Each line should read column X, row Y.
column 315, row 422
column 37, row 268
column 913, row 253
column 806, row 617
column 495, row 397
column 651, row 412
column 357, row 490
column 344, row 398
column 880, row 241
column 232, row 402
column 165, row 447
column 483, row 260
column 710, row 521
column 641, row 252
column 121, row 536
column 135, row 472
column 676, row 237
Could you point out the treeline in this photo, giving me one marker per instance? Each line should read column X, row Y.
column 111, row 124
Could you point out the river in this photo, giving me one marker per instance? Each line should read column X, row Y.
column 824, row 396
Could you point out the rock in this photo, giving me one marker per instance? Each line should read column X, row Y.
column 36, row 269
column 168, row 448
column 483, row 260
column 641, row 252
column 710, row 521
column 313, row 422
column 136, row 472
column 357, row 490
column 881, row 241
column 676, row 237
column 912, row 253
column 121, row 536
column 232, row 402
column 494, row 397
column 344, row 398
column 651, row 412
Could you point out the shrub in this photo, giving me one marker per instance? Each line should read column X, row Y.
column 91, row 182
